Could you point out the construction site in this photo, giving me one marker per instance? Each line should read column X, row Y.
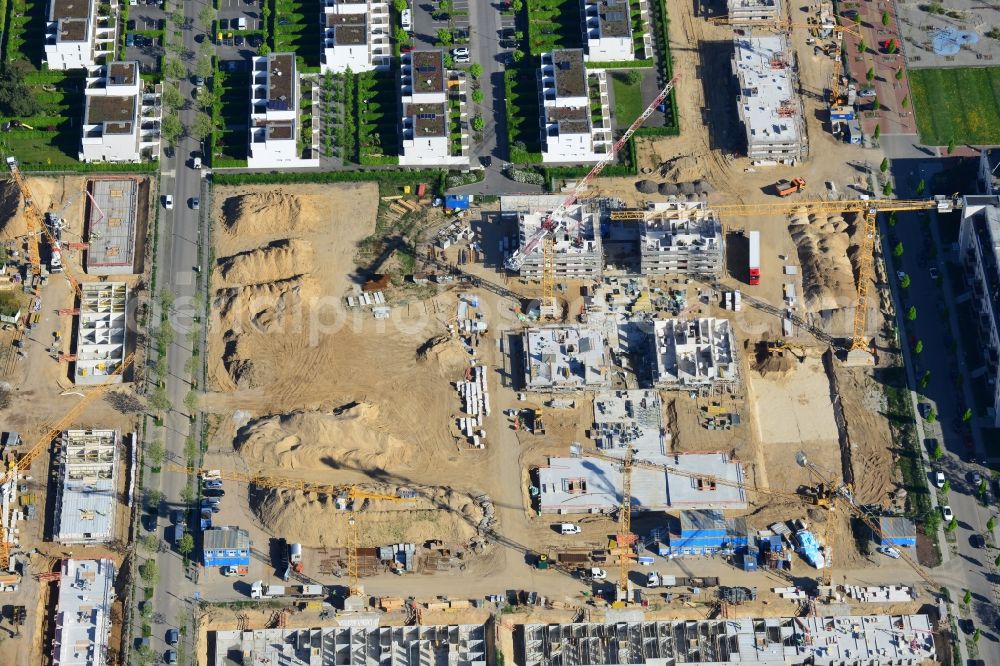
column 638, row 420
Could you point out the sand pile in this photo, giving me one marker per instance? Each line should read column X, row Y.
column 314, row 521
column 263, row 212
column 447, row 352
column 263, row 305
column 279, row 260
column 827, row 275
column 354, row 437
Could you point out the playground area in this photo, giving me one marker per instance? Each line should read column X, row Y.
column 955, row 34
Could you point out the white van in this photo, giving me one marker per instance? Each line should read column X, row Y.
column 406, row 18
column 196, row 162
column 569, row 528
column 241, row 23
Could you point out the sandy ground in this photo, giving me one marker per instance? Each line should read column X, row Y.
column 796, row 407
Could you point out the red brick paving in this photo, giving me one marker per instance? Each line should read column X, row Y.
column 892, row 117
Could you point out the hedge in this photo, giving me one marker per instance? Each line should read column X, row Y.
column 82, row 167
column 229, row 164
column 383, row 178
column 621, row 64
column 667, row 60
column 379, row 160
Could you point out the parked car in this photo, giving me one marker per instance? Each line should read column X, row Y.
column 195, row 203
column 130, row 25
column 130, row 40
column 939, row 479
column 867, row 92
column 213, row 483
column 178, row 515
column 597, row 573
column 406, row 19
column 569, row 528
column 239, row 40
column 889, row 551
column 976, row 479
column 170, row 657
column 172, row 636
column 462, row 60
column 947, row 513
column 977, row 541
column 168, row 201
column 214, row 492
column 460, row 51
column 934, row 273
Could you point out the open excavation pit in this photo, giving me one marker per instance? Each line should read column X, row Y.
column 315, row 520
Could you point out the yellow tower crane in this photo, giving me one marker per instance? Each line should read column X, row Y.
column 354, row 494
column 870, row 208
column 24, row 462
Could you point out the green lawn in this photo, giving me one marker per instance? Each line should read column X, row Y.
column 627, row 98
column 296, row 30
column 960, row 105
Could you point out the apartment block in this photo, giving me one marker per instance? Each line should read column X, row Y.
column 276, row 136
column 575, row 109
column 748, row 11
column 356, row 36
column 565, row 358
column 86, row 495
column 121, row 119
column 686, row 238
column 607, row 30
column 693, row 353
column 768, row 104
column 979, row 244
column 576, row 243
column 76, row 35
column 101, row 332
column 434, row 127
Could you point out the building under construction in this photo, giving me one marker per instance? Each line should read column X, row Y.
column 748, row 11
column 693, row 353
column 768, row 103
column 576, row 247
column 111, row 225
column 101, row 329
column 685, row 237
column 564, row 358
column 82, row 624
column 361, row 645
column 780, row 641
column 86, row 493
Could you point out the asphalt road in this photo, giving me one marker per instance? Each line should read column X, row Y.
column 948, row 393
column 178, row 256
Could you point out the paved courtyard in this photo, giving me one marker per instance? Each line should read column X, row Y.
column 962, row 19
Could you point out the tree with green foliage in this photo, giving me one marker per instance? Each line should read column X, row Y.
column 885, row 18
column 876, row 105
column 897, row 250
column 402, row 36
column 887, row 189
column 171, row 96
column 634, row 77
column 918, row 348
column 892, row 219
column 186, row 545
column 996, row 562
column 475, row 70
column 449, row 61
column 16, row 97
column 159, row 400
column 203, row 67
column 862, row 47
column 478, row 123
column 911, row 313
column 952, row 525
column 976, row 635
column 399, row 5
column 967, row 597
column 477, row 96
column 518, row 55
column 905, row 281
column 946, row 487
column 892, row 48
column 263, row 49
column 171, row 128
column 982, row 488
column 925, row 380
column 857, row 19
column 884, row 166
column 156, row 454
column 445, row 37
column 153, row 498
column 921, row 186
column 991, row 523
column 173, row 69
column 906, row 102
column 207, row 14
column 877, row 133
column 149, row 572
column 870, row 74
column 931, row 416
column 202, row 126
column 899, row 74
column 967, row 415
column 938, row 453
column 951, row 146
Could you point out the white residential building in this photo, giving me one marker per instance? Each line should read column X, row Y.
column 608, row 30
column 82, row 626
column 768, row 104
column 979, row 243
column 434, row 127
column 121, row 121
column 575, row 108
column 748, row 11
column 274, row 115
column 693, row 353
column 356, row 36
column 75, row 35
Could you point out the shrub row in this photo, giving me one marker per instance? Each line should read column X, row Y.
column 385, row 179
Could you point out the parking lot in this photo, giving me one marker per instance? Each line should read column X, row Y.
column 425, row 26
column 235, row 40
column 144, row 34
